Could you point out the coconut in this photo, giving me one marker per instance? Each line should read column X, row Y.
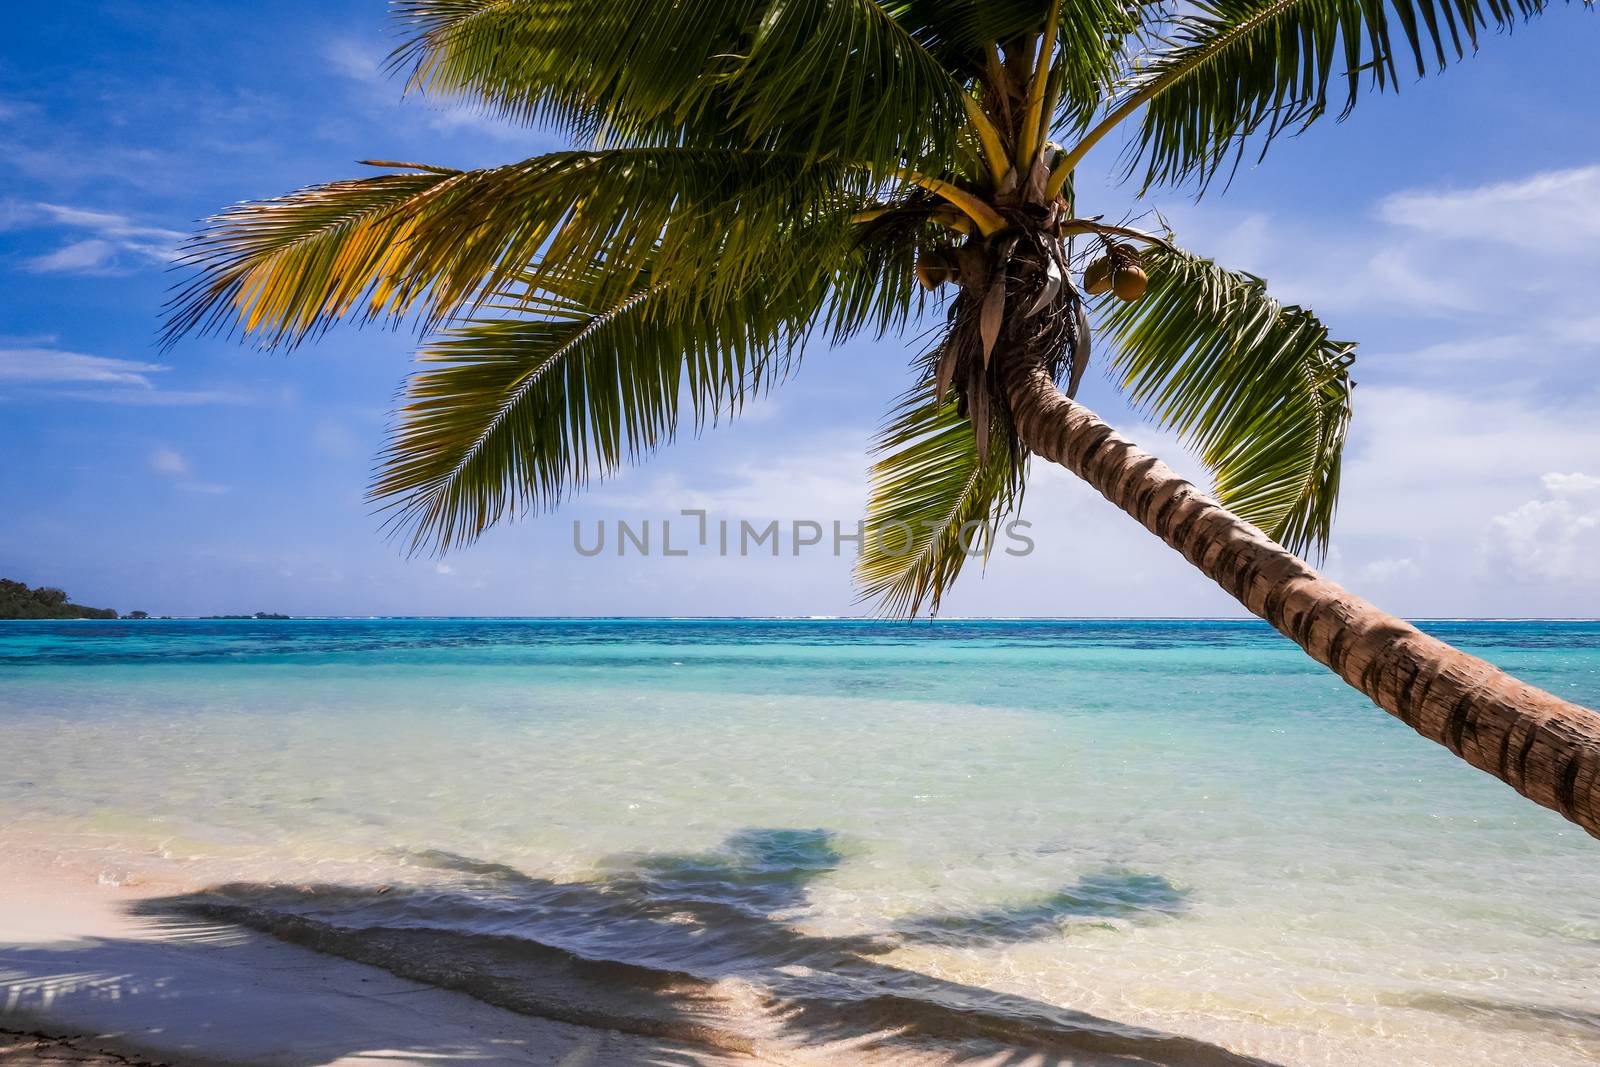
column 1130, row 284
column 934, row 268
column 1128, row 279
column 1097, row 279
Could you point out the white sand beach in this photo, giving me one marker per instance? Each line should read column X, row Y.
column 76, row 965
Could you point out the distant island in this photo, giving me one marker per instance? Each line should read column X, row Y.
column 17, row 601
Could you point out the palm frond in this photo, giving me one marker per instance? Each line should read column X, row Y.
column 522, row 407
column 875, row 285
column 1094, row 39
column 934, row 502
column 830, row 78
column 435, row 240
column 283, row 268
column 1230, row 69
column 1257, row 388
column 960, row 33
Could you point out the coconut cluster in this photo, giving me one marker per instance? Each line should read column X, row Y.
column 1118, row 272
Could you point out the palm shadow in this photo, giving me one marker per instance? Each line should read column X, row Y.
column 189, row 990
column 708, row 949
column 1098, row 898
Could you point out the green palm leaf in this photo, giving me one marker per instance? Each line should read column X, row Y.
column 1258, row 388
column 959, row 34
column 934, row 503
column 282, row 268
column 705, row 220
column 875, row 284
column 1232, row 68
column 517, row 411
column 827, row 78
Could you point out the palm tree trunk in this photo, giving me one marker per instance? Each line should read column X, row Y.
column 1542, row 746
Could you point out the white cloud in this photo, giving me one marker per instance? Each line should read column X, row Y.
column 175, row 466
column 366, row 65
column 825, row 482
column 1578, row 329
column 170, row 462
column 158, row 398
column 1351, row 271
column 1443, row 482
column 1400, row 276
column 443, row 568
column 355, row 60
column 1555, row 539
column 52, row 366
column 114, row 243
column 1432, row 467
column 1390, row 571
column 79, row 257
column 109, row 224
column 1519, row 253
column 1545, row 345
column 1570, row 484
column 1546, row 212
column 100, row 379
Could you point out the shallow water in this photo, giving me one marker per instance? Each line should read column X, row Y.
column 1151, row 839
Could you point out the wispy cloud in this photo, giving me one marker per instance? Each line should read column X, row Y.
column 1482, row 287
column 110, row 243
column 79, row 257
column 1548, row 212
column 1390, row 571
column 163, row 398
column 102, row 379
column 169, row 461
column 174, row 466
column 367, row 66
column 52, row 366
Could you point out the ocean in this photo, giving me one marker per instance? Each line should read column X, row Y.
column 1076, row 841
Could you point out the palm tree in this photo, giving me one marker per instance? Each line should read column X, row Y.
column 761, row 172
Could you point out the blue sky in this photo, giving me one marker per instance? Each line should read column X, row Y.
column 1453, row 230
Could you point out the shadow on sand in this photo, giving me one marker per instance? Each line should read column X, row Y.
column 706, row 950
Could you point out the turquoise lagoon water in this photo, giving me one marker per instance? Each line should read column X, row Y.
column 1156, row 842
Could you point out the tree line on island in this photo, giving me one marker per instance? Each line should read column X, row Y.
column 18, row 601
